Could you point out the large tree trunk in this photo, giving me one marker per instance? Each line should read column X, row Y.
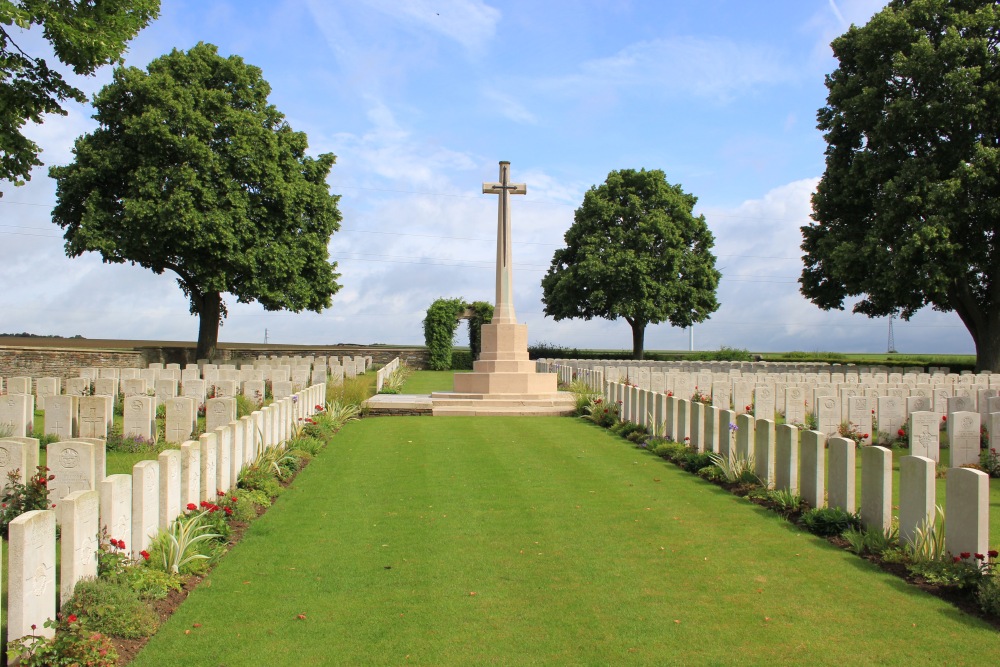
column 987, row 340
column 209, row 307
column 638, row 338
column 983, row 323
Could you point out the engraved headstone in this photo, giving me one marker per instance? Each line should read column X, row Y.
column 964, row 438
column 145, row 505
column 181, row 418
column 78, row 515
column 140, row 413
column 219, row 412
column 74, row 467
column 94, row 415
column 31, row 574
column 116, row 507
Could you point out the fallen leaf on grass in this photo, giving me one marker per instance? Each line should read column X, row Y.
column 187, row 632
column 767, row 618
column 677, row 621
column 472, row 594
column 301, row 617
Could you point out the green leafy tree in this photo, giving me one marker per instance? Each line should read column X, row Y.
column 192, row 171
column 907, row 213
column 83, row 35
column 634, row 251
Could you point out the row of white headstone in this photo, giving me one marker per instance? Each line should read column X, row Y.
column 793, row 459
column 86, row 407
column 384, row 372
column 132, row 508
column 858, row 400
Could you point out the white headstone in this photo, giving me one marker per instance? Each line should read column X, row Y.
column 145, row 505
column 78, row 515
column 31, row 577
column 74, row 466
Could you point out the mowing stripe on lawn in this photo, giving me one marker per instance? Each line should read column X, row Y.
column 457, row 541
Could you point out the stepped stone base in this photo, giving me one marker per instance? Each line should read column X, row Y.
column 503, row 405
column 503, row 381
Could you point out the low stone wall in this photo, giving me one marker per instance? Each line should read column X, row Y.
column 63, row 357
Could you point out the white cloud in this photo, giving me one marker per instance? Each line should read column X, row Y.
column 508, row 107
column 469, row 22
column 711, row 68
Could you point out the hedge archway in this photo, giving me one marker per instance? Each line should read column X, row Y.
column 441, row 321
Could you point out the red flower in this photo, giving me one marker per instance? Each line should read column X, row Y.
column 235, row 499
column 72, row 618
column 229, row 511
column 944, row 418
column 203, row 503
column 748, row 408
column 192, row 506
column 955, row 559
column 901, row 433
column 965, row 554
column 220, row 493
column 980, row 557
column 319, row 407
column 993, row 553
column 864, row 437
column 144, row 554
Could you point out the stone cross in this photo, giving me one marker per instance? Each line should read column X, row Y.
column 503, row 312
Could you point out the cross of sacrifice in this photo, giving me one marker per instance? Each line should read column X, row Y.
column 504, row 308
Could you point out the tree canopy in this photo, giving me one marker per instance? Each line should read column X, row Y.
column 907, row 213
column 192, row 170
column 634, row 251
column 83, row 35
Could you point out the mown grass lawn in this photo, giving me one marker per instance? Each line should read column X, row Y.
column 427, row 382
column 513, row 541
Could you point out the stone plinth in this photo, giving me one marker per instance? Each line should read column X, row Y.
column 504, row 381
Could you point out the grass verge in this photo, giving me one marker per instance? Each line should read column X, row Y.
column 540, row 541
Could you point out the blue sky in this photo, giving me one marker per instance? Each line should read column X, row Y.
column 420, row 100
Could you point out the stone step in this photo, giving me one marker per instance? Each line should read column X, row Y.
column 484, row 410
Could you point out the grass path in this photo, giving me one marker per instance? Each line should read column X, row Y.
column 517, row 541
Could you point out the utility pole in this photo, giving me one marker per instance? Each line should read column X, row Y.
column 892, row 339
column 265, row 336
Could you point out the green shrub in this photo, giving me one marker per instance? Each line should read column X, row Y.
column 785, row 501
column 71, row 645
column 694, row 461
column 132, row 444
column 868, row 540
column 461, row 360
column 147, row 582
column 47, row 439
column 668, row 450
column 352, row 391
column 638, row 436
column 602, row 413
column 829, row 521
column 246, row 406
column 18, row 498
column 307, row 444
column 955, row 571
column 736, row 469
column 988, row 595
column 711, row 473
column 261, row 480
column 111, row 608
column 189, row 540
